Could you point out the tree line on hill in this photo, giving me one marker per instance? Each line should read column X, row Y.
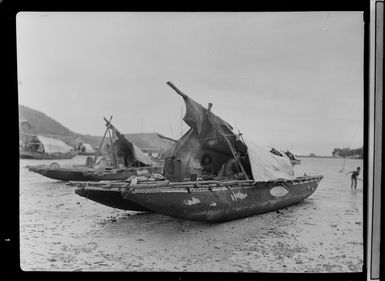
column 349, row 153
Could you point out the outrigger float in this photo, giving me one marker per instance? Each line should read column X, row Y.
column 107, row 193
column 243, row 179
column 133, row 163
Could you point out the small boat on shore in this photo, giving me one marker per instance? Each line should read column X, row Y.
column 121, row 160
column 85, row 149
column 34, row 146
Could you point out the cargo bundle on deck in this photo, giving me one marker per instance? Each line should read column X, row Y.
column 212, row 175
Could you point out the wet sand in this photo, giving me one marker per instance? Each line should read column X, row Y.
column 61, row 231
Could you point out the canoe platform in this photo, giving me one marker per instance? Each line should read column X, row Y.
column 221, row 201
column 206, row 201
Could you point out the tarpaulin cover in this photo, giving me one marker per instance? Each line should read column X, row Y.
column 53, row 145
column 210, row 134
column 266, row 165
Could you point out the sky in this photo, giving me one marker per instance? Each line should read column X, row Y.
column 288, row 80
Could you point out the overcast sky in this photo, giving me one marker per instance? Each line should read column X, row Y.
column 290, row 80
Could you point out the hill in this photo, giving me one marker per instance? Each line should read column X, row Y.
column 36, row 122
column 43, row 124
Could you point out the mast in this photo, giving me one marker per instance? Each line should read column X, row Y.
column 229, row 144
column 105, row 133
column 218, row 128
column 181, row 121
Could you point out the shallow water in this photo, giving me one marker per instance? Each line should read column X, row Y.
column 62, row 231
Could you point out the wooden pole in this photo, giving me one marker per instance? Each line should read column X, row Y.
column 181, row 121
column 218, row 128
column 229, row 143
column 235, row 155
column 176, row 89
column 101, row 143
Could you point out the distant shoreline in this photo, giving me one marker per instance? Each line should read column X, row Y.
column 318, row 156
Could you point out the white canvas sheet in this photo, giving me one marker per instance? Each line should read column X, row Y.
column 267, row 166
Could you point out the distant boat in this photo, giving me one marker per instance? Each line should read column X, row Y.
column 34, row 146
column 86, row 149
column 133, row 162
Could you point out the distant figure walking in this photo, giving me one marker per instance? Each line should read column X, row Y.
column 354, row 177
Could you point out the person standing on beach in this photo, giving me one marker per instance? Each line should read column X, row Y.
column 354, row 177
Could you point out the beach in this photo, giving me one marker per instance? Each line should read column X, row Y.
column 61, row 231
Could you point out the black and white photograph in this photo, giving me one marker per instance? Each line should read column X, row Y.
column 191, row 141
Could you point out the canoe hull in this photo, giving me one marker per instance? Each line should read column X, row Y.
column 35, row 155
column 223, row 203
column 64, row 174
column 109, row 197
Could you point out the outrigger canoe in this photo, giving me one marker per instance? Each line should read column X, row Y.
column 247, row 179
column 135, row 163
column 210, row 201
column 205, row 201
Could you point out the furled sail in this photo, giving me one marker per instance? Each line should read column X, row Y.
column 209, row 134
column 124, row 148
